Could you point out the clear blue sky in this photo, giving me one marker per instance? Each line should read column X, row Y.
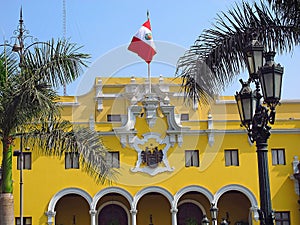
column 105, row 28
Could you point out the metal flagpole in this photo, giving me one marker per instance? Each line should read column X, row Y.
column 149, row 77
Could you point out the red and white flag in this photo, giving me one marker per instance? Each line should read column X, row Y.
column 142, row 43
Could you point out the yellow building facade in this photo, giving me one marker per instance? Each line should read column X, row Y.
column 175, row 161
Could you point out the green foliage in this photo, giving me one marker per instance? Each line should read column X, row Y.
column 217, row 56
column 191, row 221
column 28, row 106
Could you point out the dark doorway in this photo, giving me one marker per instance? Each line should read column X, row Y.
column 112, row 215
column 189, row 214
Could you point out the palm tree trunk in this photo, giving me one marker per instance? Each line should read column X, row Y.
column 6, row 209
column 6, row 197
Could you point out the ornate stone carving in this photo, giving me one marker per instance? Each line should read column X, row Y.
column 151, row 170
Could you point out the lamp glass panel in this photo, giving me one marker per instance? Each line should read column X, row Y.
column 278, row 83
column 250, row 63
column 239, row 104
column 267, row 85
column 258, row 59
column 247, row 109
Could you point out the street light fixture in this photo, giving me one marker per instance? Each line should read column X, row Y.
column 205, row 220
column 224, row 222
column 254, row 54
column 20, row 155
column 214, row 214
column 21, row 48
column 255, row 116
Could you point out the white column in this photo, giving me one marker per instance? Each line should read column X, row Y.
column 93, row 213
column 174, row 216
column 51, row 217
column 133, row 216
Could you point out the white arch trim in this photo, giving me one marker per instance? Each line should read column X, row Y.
column 67, row 191
column 110, row 190
column 200, row 206
column 236, row 187
column 192, row 188
column 147, row 190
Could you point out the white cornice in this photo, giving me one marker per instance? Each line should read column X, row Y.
column 68, row 103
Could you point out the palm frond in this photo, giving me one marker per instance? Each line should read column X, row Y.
column 289, row 10
column 56, row 136
column 56, row 62
column 221, row 48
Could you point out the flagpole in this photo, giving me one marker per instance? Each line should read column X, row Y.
column 149, row 74
column 149, row 77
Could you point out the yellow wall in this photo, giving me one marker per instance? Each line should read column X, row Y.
column 48, row 174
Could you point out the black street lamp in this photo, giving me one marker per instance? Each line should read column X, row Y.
column 255, row 117
column 214, row 214
column 205, row 220
column 21, row 34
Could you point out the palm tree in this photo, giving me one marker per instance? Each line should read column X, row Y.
column 28, row 109
column 217, row 57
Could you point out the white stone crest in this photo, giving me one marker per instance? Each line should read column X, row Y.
column 137, row 142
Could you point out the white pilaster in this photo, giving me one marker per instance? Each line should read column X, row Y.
column 174, row 216
column 51, row 217
column 93, row 216
column 133, row 216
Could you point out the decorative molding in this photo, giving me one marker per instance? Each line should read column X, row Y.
column 236, row 187
column 51, row 206
column 210, row 131
column 137, row 142
column 296, row 175
column 110, row 190
column 150, row 104
column 92, row 122
column 151, row 189
column 175, row 130
column 127, row 131
column 192, row 188
column 67, row 191
column 99, row 94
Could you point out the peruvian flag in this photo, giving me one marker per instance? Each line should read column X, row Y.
column 142, row 43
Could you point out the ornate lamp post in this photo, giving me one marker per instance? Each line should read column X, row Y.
column 255, row 117
column 21, row 48
column 205, row 220
column 214, row 213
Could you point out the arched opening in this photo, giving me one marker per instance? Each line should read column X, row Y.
column 189, row 214
column 154, row 208
column 234, row 206
column 191, row 208
column 72, row 209
column 113, row 209
column 112, row 214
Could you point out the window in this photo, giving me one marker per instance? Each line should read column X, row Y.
column 26, row 161
column 278, row 157
column 184, row 117
column 113, row 159
column 231, row 157
column 72, row 160
column 192, row 158
column 26, row 221
column 114, row 118
column 282, row 218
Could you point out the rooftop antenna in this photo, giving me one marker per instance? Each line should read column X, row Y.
column 64, row 34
